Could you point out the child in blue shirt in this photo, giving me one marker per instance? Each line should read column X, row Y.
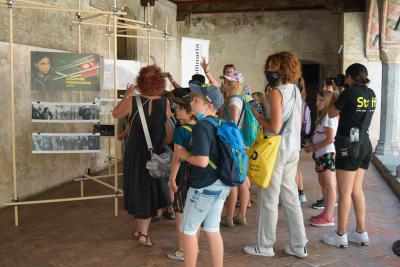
column 207, row 194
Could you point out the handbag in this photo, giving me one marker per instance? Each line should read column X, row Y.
column 264, row 153
column 345, row 149
column 159, row 166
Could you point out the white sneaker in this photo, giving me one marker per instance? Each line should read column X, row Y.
column 298, row 252
column 361, row 239
column 336, row 240
column 259, row 251
column 302, row 198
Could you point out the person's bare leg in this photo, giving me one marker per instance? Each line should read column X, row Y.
column 244, row 192
column 359, row 200
column 329, row 183
column 299, row 179
column 345, row 181
column 216, row 248
column 145, row 224
column 190, row 248
column 178, row 221
column 230, row 203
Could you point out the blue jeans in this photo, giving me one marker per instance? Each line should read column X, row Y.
column 204, row 205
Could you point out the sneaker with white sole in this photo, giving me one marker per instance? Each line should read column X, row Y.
column 176, row 255
column 302, row 198
column 336, row 240
column 323, row 221
column 359, row 238
column 298, row 252
column 259, row 251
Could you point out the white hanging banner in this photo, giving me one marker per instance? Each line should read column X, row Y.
column 127, row 71
column 193, row 50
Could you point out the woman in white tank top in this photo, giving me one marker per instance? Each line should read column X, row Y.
column 282, row 71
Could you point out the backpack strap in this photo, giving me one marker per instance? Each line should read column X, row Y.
column 187, row 128
column 215, row 122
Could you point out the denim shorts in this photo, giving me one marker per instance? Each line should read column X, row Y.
column 204, row 207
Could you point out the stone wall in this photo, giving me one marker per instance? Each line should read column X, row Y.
column 247, row 39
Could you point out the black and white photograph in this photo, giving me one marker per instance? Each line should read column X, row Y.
column 47, row 143
column 52, row 112
column 127, row 71
column 106, row 105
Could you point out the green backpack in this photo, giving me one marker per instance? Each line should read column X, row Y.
column 250, row 125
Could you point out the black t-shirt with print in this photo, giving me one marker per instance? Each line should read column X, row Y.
column 204, row 143
column 353, row 103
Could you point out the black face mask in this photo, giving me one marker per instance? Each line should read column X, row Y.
column 272, row 77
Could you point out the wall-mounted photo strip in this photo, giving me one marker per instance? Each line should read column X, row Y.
column 59, row 143
column 56, row 71
column 106, row 105
column 127, row 71
column 52, row 112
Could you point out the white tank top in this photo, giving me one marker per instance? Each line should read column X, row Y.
column 291, row 135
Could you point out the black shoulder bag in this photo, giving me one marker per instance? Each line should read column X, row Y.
column 345, row 148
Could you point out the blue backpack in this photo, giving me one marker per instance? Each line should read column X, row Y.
column 232, row 167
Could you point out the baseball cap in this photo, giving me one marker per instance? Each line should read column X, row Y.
column 182, row 96
column 197, row 79
column 233, row 77
column 210, row 92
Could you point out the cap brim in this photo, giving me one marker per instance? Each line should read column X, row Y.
column 180, row 100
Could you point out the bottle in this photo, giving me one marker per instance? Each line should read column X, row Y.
column 354, row 135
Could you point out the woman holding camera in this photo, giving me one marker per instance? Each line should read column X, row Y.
column 356, row 106
column 282, row 72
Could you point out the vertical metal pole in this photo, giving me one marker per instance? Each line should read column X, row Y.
column 109, row 119
column 80, row 51
column 13, row 143
column 115, row 99
column 165, row 43
column 148, row 32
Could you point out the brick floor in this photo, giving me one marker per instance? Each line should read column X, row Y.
column 88, row 234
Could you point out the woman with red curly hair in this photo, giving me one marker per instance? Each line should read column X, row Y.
column 142, row 194
column 282, row 71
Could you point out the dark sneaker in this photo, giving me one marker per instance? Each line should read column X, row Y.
column 318, row 205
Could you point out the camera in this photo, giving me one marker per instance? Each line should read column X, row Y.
column 338, row 80
column 256, row 106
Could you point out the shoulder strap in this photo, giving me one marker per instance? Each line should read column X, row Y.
column 213, row 121
column 144, row 123
column 291, row 113
column 131, row 118
column 243, row 108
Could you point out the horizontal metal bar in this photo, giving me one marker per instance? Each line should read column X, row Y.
column 20, row 203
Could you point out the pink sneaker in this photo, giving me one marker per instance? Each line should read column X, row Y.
column 323, row 221
column 315, row 217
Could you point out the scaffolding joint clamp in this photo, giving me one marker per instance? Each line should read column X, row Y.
column 10, row 3
column 116, row 10
column 78, row 17
column 14, row 200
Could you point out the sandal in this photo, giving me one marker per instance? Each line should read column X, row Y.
column 136, row 234
column 147, row 243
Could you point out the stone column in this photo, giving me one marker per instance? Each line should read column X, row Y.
column 390, row 109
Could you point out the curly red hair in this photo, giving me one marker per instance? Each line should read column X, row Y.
column 151, row 81
column 289, row 66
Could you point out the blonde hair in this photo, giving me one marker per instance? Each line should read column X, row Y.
column 327, row 96
column 235, row 88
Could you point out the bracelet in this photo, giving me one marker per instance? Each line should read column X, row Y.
column 185, row 157
column 206, row 72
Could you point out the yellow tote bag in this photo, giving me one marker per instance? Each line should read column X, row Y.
column 262, row 157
